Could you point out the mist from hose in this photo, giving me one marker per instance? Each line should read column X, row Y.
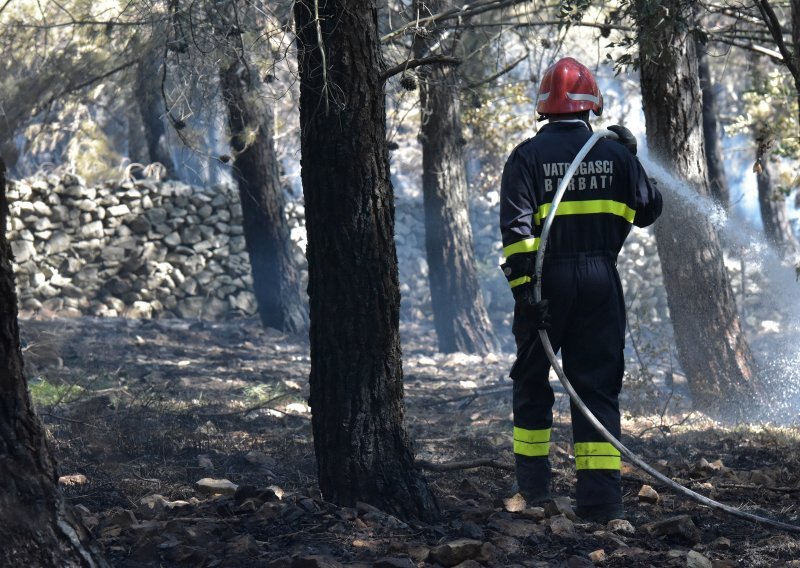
column 771, row 311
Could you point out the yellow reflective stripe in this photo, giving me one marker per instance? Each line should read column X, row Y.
column 596, row 455
column 532, row 443
column 531, row 436
column 597, row 462
column 519, row 281
column 531, row 244
column 585, row 208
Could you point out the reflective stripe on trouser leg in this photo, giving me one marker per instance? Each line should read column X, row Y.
column 532, row 443
column 531, row 451
column 596, row 455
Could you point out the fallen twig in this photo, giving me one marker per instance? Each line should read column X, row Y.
column 748, row 486
column 260, row 406
column 65, row 419
column 455, row 466
column 473, row 394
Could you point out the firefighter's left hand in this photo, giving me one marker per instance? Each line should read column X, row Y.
column 537, row 313
column 626, row 137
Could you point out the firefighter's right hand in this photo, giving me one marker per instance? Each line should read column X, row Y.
column 537, row 313
column 626, row 137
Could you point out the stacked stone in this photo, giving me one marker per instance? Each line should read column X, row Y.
column 134, row 249
column 165, row 249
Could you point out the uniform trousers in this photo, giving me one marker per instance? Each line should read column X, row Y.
column 587, row 309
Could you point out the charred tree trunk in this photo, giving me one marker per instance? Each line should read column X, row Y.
column 36, row 527
column 711, row 346
column 363, row 450
column 717, row 182
column 772, row 204
column 147, row 92
column 459, row 314
column 257, row 174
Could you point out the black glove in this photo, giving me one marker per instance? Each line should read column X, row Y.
column 626, row 137
column 537, row 313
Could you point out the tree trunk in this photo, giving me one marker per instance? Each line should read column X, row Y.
column 138, row 152
column 151, row 107
column 459, row 314
column 363, row 451
column 795, row 14
column 36, row 527
column 772, row 204
column 717, row 182
column 256, row 171
column 711, row 346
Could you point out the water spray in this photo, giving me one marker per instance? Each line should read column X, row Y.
column 548, row 348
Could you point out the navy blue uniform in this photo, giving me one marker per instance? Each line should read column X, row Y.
column 609, row 192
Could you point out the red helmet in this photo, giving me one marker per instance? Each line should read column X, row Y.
column 568, row 86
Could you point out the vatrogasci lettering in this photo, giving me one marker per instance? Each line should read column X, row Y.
column 593, row 174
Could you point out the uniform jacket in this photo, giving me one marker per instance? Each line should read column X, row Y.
column 609, row 192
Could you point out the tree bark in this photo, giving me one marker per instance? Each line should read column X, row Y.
column 795, row 14
column 772, row 204
column 138, row 152
column 363, row 450
column 255, row 168
column 459, row 315
column 711, row 346
column 717, row 182
column 147, row 92
column 36, row 527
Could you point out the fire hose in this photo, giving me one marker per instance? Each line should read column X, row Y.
column 576, row 399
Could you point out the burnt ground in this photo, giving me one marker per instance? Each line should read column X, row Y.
column 139, row 411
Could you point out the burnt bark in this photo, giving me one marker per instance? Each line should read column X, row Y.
column 363, row 450
column 772, row 203
column 715, row 163
column 147, row 92
column 459, row 314
column 711, row 346
column 36, row 527
column 276, row 281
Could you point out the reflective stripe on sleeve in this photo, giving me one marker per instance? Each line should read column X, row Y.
column 596, row 455
column 531, row 244
column 586, row 208
column 519, row 281
column 531, row 442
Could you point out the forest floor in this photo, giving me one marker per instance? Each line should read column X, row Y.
column 139, row 411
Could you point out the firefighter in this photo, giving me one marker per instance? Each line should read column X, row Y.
column 582, row 305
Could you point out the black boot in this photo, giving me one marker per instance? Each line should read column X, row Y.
column 533, row 479
column 601, row 513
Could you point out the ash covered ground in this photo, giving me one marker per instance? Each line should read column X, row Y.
column 140, row 411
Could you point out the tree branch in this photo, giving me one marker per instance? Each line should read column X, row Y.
column 82, row 23
column 774, row 26
column 72, row 88
column 412, row 63
column 464, row 12
column 749, row 46
column 497, row 75
column 471, row 464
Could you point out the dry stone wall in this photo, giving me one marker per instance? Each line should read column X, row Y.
column 151, row 249
column 136, row 248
